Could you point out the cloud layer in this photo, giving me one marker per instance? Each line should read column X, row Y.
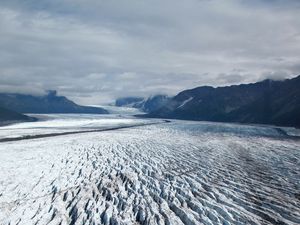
column 94, row 50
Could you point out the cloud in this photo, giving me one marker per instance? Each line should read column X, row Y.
column 94, row 51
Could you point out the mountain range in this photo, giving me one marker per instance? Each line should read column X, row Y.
column 129, row 101
column 50, row 103
column 13, row 105
column 148, row 105
column 265, row 102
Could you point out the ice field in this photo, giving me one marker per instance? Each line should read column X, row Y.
column 178, row 172
column 62, row 123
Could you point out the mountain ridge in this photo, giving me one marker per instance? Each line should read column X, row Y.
column 50, row 103
column 265, row 102
column 8, row 116
column 148, row 104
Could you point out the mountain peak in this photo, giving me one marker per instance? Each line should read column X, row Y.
column 51, row 93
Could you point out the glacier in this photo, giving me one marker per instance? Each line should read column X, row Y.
column 152, row 172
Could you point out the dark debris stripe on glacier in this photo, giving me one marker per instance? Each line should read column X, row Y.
column 173, row 173
column 94, row 130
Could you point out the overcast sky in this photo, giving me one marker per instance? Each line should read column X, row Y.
column 96, row 50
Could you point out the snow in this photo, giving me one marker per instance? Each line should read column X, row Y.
column 168, row 173
column 120, row 110
column 60, row 123
column 185, row 102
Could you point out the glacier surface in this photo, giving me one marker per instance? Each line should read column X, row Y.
column 169, row 173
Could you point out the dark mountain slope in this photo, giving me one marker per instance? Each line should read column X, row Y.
column 267, row 102
column 8, row 116
column 128, row 101
column 155, row 102
column 279, row 104
column 50, row 103
column 144, row 104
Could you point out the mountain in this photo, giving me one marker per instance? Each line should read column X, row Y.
column 265, row 102
column 128, row 101
column 149, row 104
column 8, row 116
column 155, row 102
column 50, row 103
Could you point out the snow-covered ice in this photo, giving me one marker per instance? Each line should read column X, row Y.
column 185, row 101
column 61, row 123
column 169, row 173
